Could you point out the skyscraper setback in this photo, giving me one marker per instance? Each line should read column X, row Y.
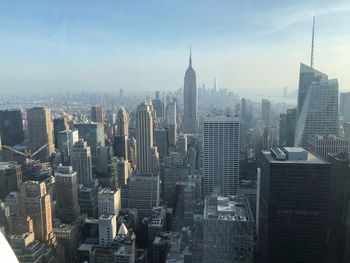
column 190, row 100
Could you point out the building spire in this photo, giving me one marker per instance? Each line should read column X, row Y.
column 312, row 43
column 190, row 61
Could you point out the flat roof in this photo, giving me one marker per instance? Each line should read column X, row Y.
column 311, row 159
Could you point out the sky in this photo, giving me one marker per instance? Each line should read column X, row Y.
column 250, row 46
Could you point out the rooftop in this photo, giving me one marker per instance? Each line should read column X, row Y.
column 294, row 155
column 227, row 208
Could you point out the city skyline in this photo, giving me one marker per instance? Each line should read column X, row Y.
column 70, row 47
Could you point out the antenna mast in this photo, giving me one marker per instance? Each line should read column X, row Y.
column 312, row 43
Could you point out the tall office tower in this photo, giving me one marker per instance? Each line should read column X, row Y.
column 265, row 111
column 59, row 124
column 123, row 172
column 88, row 200
column 291, row 122
column 283, row 130
column 190, row 100
column 243, row 109
column 171, row 122
column 243, row 121
column 144, row 193
column 81, row 162
column 317, row 111
column 68, row 239
column 67, row 140
column 40, row 130
column 147, row 155
column 338, row 213
column 108, row 202
column 97, row 114
column 228, row 230
column 107, row 168
column 321, row 146
column 158, row 106
column 10, row 178
column 107, row 229
column 66, row 190
column 175, row 169
column 221, row 155
column 11, row 127
column 293, row 198
column 36, row 203
column 93, row 134
column 122, row 122
column 344, row 106
column 161, row 140
column 12, row 202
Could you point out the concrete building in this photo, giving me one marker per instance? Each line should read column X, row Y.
column 27, row 249
column 228, row 231
column 143, row 193
column 171, row 122
column 36, row 203
column 123, row 172
column 107, row 229
column 12, row 202
column 293, row 196
column 321, row 146
column 82, row 162
column 108, row 202
column 161, row 140
column 147, row 155
column 67, row 140
column 11, row 127
column 10, row 178
column 190, row 121
column 66, row 189
column 93, row 134
column 221, row 155
column 97, row 114
column 344, row 106
column 68, row 239
column 87, row 197
column 175, row 169
column 59, row 125
column 40, row 131
column 182, row 144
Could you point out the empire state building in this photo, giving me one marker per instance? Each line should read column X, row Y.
column 190, row 100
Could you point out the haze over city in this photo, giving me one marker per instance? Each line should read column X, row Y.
column 252, row 47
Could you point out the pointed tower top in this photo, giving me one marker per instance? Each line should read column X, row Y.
column 190, row 62
column 312, row 43
column 123, row 230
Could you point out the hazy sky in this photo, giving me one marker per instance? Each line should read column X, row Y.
column 250, row 46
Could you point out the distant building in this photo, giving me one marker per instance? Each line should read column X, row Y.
column 161, row 140
column 317, row 111
column 81, row 162
column 40, row 131
column 344, row 106
column 93, row 134
column 97, row 114
column 190, row 121
column 11, row 127
column 175, row 169
column 221, row 155
column 293, row 198
column 228, row 230
column 66, row 189
column 67, row 140
column 265, row 111
column 59, row 125
column 171, row 122
column 143, row 193
column 146, row 154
